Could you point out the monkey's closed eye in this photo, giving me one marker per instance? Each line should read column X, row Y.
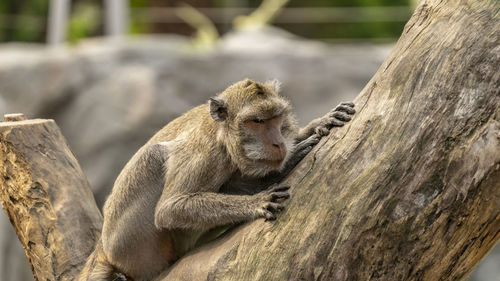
column 258, row 120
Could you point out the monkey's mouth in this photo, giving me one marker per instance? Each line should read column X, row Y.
column 272, row 162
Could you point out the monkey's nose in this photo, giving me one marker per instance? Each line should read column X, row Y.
column 278, row 145
column 279, row 149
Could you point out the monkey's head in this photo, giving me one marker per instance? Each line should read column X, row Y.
column 255, row 124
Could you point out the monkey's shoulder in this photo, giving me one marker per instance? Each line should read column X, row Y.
column 194, row 118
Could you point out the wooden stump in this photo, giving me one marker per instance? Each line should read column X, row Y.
column 46, row 197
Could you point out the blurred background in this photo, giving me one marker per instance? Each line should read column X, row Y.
column 112, row 72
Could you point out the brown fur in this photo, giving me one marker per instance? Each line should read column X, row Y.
column 169, row 194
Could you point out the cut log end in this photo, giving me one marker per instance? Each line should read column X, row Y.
column 14, row 117
column 45, row 193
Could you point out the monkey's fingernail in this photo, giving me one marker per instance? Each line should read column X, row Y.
column 316, row 138
column 342, row 116
column 273, row 207
column 269, row 215
column 336, row 122
column 345, row 108
column 281, row 188
column 351, row 104
column 280, row 195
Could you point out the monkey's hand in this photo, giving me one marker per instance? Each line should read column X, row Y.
column 267, row 202
column 322, row 126
column 337, row 117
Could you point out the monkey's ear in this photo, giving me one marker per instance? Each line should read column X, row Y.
column 248, row 83
column 218, row 109
column 274, row 84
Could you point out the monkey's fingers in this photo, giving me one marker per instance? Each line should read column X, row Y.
column 334, row 122
column 340, row 115
column 275, row 207
column 119, row 277
column 270, row 216
column 307, row 144
column 302, row 152
column 275, row 196
column 322, row 130
column 345, row 108
column 279, row 187
column 349, row 103
column 310, row 141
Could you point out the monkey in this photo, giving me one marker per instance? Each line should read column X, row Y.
column 216, row 165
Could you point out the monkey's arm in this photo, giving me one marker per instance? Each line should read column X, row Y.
column 190, row 200
column 203, row 210
column 335, row 118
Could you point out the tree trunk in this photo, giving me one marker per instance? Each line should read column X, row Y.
column 408, row 190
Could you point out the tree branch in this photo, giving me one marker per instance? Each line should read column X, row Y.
column 47, row 198
column 409, row 189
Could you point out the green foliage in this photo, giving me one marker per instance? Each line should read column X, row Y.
column 341, row 3
column 29, row 23
column 206, row 33
column 30, row 32
column 137, row 26
column 368, row 29
column 31, row 19
column 264, row 14
column 83, row 21
column 376, row 31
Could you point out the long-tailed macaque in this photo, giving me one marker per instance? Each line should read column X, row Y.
column 210, row 167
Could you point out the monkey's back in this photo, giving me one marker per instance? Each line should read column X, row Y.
column 130, row 238
column 190, row 119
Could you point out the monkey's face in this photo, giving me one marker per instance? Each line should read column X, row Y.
column 265, row 142
column 257, row 125
column 262, row 141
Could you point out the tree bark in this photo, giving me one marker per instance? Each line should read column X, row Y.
column 408, row 190
column 47, row 198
